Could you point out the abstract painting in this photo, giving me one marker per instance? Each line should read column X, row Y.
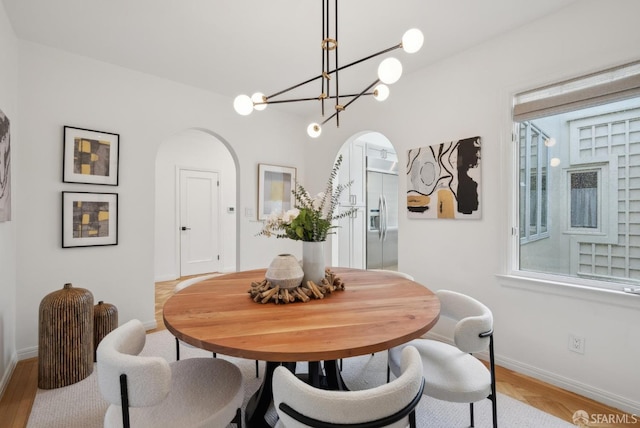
column 5, row 168
column 443, row 180
column 89, row 219
column 90, row 156
column 275, row 184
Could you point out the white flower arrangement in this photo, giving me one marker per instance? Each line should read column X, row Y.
column 312, row 218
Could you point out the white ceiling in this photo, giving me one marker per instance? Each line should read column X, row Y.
column 242, row 46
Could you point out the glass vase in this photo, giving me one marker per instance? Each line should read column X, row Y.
column 313, row 261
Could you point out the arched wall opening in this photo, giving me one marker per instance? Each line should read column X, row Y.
column 369, row 239
column 203, row 150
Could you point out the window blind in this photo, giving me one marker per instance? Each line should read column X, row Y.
column 595, row 89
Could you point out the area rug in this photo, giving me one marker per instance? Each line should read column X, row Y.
column 81, row 406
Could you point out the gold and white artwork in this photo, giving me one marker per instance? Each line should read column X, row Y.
column 443, row 180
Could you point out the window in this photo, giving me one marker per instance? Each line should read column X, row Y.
column 534, row 158
column 584, row 199
column 578, row 207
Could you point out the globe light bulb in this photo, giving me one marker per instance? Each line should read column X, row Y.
column 258, row 97
column 243, row 105
column 389, row 71
column 554, row 162
column 314, row 130
column 381, row 92
column 412, row 40
column 550, row 142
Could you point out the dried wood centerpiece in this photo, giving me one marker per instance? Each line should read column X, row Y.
column 265, row 292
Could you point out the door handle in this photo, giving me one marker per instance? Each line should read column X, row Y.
column 380, row 217
column 185, row 228
column 383, row 219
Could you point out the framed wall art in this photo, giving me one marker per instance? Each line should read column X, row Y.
column 5, row 168
column 443, row 181
column 275, row 184
column 90, row 157
column 89, row 219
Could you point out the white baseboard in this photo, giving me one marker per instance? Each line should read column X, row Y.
column 150, row 325
column 169, row 277
column 599, row 395
column 166, row 277
column 26, row 353
column 596, row 394
column 187, row 282
column 6, row 377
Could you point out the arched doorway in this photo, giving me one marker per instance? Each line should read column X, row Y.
column 369, row 239
column 203, row 157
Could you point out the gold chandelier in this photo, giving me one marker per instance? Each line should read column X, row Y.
column 389, row 71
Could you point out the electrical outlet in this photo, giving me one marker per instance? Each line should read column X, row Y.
column 576, row 344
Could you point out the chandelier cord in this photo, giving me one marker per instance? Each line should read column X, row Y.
column 325, row 53
column 337, row 113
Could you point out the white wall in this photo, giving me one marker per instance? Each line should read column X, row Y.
column 464, row 96
column 468, row 95
column 8, row 105
column 58, row 89
column 192, row 149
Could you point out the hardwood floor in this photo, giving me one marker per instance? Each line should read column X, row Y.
column 16, row 402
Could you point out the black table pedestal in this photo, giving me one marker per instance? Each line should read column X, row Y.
column 259, row 403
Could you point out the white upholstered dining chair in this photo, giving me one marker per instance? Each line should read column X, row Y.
column 452, row 373
column 150, row 392
column 298, row 404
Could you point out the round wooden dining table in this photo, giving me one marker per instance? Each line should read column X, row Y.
column 376, row 311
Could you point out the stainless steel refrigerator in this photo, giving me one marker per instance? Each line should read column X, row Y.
column 382, row 220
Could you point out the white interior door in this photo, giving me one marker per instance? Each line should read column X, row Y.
column 199, row 212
